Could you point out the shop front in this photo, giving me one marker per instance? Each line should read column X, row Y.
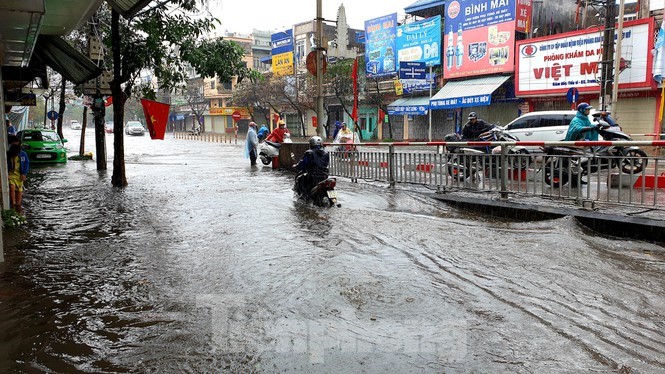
column 559, row 72
column 220, row 120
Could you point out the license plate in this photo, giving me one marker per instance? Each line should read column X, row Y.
column 332, row 194
column 43, row 156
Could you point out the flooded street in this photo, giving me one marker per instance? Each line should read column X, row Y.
column 205, row 264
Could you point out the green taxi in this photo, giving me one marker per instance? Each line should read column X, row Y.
column 43, row 146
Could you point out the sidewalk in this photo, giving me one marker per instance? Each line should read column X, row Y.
column 616, row 220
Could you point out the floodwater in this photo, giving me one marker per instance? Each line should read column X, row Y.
column 205, row 264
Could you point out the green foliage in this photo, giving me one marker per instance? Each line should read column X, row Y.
column 170, row 39
column 10, row 218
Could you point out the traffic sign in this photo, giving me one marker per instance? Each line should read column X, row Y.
column 52, row 115
column 310, row 62
column 412, row 70
column 236, row 116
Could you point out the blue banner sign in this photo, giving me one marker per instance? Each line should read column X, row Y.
column 420, row 41
column 459, row 102
column 380, row 55
column 407, row 109
column 281, row 42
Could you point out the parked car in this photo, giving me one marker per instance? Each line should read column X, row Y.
column 75, row 125
column 134, row 128
column 108, row 127
column 546, row 126
column 43, row 146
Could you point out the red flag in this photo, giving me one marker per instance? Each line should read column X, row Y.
column 354, row 74
column 108, row 101
column 156, row 116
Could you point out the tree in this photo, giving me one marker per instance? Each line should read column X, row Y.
column 192, row 92
column 165, row 39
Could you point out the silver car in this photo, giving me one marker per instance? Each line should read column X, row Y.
column 134, row 128
column 545, row 126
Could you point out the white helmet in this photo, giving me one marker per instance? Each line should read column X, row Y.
column 315, row 141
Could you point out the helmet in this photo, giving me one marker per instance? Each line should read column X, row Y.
column 252, row 124
column 473, row 115
column 281, row 122
column 583, row 106
column 315, row 142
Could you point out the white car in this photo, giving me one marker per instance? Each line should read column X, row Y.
column 134, row 128
column 545, row 126
column 75, row 125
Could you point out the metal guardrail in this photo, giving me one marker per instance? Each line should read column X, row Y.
column 207, row 137
column 506, row 173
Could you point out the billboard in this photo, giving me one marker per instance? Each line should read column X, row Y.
column 480, row 37
column 553, row 64
column 282, row 52
column 380, row 55
column 420, row 41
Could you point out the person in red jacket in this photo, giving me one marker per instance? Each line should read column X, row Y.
column 277, row 135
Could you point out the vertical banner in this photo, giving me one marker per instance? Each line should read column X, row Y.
column 156, row 117
column 380, row 57
column 523, row 16
column 282, row 53
column 420, row 42
column 480, row 37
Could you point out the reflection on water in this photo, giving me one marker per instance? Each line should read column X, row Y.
column 204, row 264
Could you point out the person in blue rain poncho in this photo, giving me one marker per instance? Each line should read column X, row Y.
column 580, row 127
column 263, row 132
column 251, row 143
column 338, row 126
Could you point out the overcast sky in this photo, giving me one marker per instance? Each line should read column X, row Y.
column 242, row 16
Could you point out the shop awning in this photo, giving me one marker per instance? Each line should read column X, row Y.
column 409, row 105
column 65, row 59
column 266, row 60
column 467, row 93
column 425, row 8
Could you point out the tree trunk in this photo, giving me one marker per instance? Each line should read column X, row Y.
column 118, row 179
column 61, row 108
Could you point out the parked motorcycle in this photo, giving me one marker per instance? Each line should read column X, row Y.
column 322, row 194
column 268, row 149
column 464, row 162
column 570, row 163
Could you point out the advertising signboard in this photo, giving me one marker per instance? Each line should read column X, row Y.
column 553, row 64
column 480, row 37
column 523, row 15
column 282, row 52
column 420, row 41
column 380, row 55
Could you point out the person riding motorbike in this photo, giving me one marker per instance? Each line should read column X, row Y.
column 263, row 133
column 474, row 127
column 313, row 167
column 580, row 127
column 278, row 134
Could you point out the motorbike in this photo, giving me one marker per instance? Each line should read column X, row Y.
column 345, row 144
column 195, row 131
column 268, row 149
column 465, row 162
column 562, row 163
column 322, row 194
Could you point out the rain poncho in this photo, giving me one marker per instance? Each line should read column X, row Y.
column 252, row 141
column 581, row 128
column 338, row 126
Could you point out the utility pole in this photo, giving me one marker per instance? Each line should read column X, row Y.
column 617, row 62
column 608, row 55
column 319, row 69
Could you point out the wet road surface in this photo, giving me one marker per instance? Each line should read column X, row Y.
column 205, row 264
